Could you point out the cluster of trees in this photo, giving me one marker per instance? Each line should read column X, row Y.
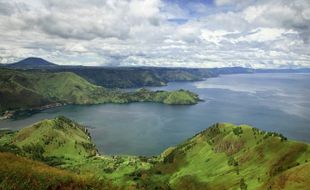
column 237, row 131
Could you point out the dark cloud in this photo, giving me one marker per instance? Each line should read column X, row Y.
column 5, row 9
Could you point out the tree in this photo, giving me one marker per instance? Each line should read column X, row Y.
column 243, row 185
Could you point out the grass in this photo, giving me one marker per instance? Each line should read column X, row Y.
column 57, row 139
column 133, row 77
column 179, row 97
column 20, row 90
column 22, row 173
column 66, row 144
column 224, row 156
column 233, row 154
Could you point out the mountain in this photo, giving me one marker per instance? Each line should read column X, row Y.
column 36, row 89
column 32, row 63
column 126, row 77
column 224, row 156
column 129, row 77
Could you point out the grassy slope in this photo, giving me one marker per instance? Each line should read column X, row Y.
column 57, row 138
column 126, row 77
column 27, row 89
column 223, row 156
column 63, row 86
column 132, row 77
column 17, row 173
column 118, row 78
column 64, row 143
column 178, row 97
column 68, row 145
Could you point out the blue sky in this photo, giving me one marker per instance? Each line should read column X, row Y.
column 168, row 33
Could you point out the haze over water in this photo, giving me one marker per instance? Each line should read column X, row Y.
column 273, row 102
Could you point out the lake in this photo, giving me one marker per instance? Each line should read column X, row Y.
column 273, row 102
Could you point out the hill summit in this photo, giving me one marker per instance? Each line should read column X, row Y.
column 32, row 63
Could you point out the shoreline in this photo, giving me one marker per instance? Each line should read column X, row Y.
column 10, row 114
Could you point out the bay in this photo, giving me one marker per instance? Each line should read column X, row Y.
column 274, row 102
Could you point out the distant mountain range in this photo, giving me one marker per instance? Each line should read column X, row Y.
column 128, row 77
column 38, row 63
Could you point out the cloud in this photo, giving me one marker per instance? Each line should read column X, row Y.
column 81, row 19
column 232, row 2
column 264, row 35
column 286, row 14
column 273, row 33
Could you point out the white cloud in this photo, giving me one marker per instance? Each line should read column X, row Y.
column 215, row 36
column 77, row 47
column 266, row 33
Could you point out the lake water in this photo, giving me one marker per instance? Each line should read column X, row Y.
column 273, row 102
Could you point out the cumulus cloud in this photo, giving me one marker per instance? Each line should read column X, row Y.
column 266, row 33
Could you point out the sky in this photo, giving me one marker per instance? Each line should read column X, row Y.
column 165, row 33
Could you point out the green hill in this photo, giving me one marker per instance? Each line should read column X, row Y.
column 179, row 97
column 63, row 143
column 58, row 138
column 27, row 89
column 224, row 156
column 20, row 90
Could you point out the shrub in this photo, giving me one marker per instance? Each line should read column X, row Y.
column 237, row 131
column 232, row 161
column 10, row 148
column 243, row 185
column 35, row 151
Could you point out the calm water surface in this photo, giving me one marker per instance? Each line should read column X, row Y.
column 273, row 102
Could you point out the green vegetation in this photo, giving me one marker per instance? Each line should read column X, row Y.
column 180, row 97
column 127, row 77
column 224, row 156
column 56, row 142
column 65, row 144
column 22, row 173
column 56, row 138
column 22, row 90
column 117, row 77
